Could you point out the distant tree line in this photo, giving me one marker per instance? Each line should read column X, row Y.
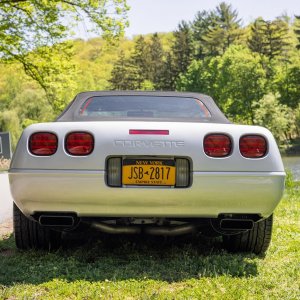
column 252, row 72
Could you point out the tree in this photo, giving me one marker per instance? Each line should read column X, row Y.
column 167, row 82
column 287, row 81
column 241, row 82
column 10, row 122
column 156, row 60
column 235, row 80
column 202, row 22
column 125, row 75
column 269, row 38
column 54, row 70
column 198, row 78
column 223, row 31
column 141, row 59
column 30, row 24
column 29, row 27
column 297, row 30
column 31, row 107
column 297, row 120
column 278, row 118
column 182, row 49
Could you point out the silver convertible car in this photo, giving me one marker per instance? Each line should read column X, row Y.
column 157, row 163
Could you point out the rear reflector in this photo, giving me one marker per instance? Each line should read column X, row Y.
column 114, row 172
column 182, row 172
column 79, row 143
column 43, row 143
column 253, row 146
column 217, row 145
column 149, row 131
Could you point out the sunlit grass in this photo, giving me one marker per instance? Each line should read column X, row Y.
column 155, row 268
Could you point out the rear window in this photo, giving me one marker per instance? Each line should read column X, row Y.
column 152, row 107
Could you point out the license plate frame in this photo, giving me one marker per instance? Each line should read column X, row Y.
column 148, row 172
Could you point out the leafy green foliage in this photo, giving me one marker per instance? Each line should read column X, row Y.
column 182, row 49
column 223, row 30
column 235, row 80
column 277, row 117
column 29, row 24
column 269, row 38
column 241, row 81
column 145, row 67
column 297, row 30
column 9, row 121
column 198, row 78
column 286, row 80
column 168, row 78
column 32, row 33
column 200, row 26
column 157, row 55
column 125, row 75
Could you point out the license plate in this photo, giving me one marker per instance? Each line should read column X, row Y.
column 148, row 172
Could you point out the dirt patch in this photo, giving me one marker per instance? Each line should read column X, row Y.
column 6, row 228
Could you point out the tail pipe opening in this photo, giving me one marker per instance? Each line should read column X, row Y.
column 57, row 220
column 236, row 224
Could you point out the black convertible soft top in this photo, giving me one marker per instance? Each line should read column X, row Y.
column 70, row 114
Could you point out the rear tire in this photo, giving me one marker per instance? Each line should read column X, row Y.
column 31, row 235
column 256, row 240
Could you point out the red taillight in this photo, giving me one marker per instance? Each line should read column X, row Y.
column 149, row 131
column 217, row 145
column 253, row 146
column 43, row 143
column 79, row 143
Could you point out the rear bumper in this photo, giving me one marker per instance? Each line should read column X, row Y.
column 85, row 193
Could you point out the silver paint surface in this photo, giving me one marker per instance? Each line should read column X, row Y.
column 62, row 182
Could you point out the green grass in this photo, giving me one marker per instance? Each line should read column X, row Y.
column 139, row 268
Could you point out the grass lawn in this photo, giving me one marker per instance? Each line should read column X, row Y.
column 139, row 268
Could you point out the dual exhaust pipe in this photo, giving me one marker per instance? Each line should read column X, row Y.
column 67, row 221
column 70, row 221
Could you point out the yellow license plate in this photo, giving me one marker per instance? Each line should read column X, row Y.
column 148, row 172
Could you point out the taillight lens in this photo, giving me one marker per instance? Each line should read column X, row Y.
column 253, row 146
column 79, row 143
column 217, row 145
column 43, row 143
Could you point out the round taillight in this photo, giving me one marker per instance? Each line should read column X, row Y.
column 253, row 146
column 217, row 145
column 43, row 143
column 79, row 143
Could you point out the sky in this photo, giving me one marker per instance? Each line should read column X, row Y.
column 149, row 16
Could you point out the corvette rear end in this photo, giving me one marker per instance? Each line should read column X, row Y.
column 147, row 173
